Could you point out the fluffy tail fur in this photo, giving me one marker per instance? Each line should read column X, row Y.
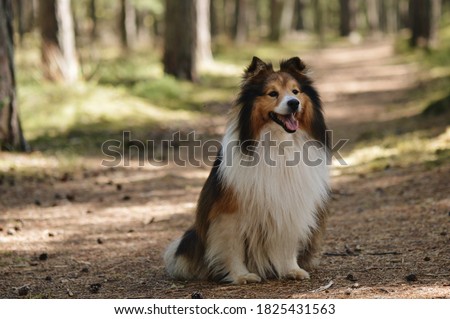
column 184, row 257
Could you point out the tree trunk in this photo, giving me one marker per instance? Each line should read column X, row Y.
column 424, row 17
column 219, row 17
column 435, row 15
column 261, row 21
column 230, row 17
column 392, row 17
column 92, row 12
column 287, row 17
column 127, row 24
column 276, row 12
column 418, row 18
column 347, row 17
column 299, row 23
column 384, row 16
column 203, row 50
column 403, row 16
column 19, row 10
column 143, row 34
column 215, row 23
column 318, row 21
column 253, row 28
column 11, row 135
column 25, row 16
column 240, row 22
column 180, row 39
column 58, row 41
column 373, row 16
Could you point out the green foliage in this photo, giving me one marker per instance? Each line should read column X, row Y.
column 127, row 92
column 166, row 90
column 78, row 119
column 154, row 6
column 427, row 146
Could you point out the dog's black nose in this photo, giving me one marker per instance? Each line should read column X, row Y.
column 293, row 104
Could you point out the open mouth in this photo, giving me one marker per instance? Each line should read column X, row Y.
column 288, row 122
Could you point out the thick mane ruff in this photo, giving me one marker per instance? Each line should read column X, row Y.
column 247, row 136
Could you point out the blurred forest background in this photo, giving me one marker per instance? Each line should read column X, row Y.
column 81, row 70
column 74, row 74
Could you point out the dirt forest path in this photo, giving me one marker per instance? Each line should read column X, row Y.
column 101, row 233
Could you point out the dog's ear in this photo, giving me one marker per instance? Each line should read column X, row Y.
column 256, row 67
column 293, row 64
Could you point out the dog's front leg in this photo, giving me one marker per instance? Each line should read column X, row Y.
column 283, row 254
column 225, row 253
column 295, row 272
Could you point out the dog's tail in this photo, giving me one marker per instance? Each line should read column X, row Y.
column 184, row 257
column 177, row 266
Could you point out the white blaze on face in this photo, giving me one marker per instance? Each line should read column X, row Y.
column 283, row 108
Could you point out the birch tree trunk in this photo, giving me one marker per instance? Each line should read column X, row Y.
column 58, row 41
column 203, row 50
column 127, row 24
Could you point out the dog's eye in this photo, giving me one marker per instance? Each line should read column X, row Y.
column 273, row 94
column 295, row 92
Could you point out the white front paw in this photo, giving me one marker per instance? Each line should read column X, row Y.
column 245, row 279
column 297, row 274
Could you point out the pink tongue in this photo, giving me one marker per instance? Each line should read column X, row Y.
column 291, row 123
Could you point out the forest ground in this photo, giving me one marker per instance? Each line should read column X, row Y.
column 87, row 231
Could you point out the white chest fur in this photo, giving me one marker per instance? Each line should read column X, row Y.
column 278, row 196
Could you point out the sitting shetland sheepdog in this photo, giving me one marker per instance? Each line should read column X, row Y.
column 261, row 213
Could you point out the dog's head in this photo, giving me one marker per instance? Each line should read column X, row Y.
column 285, row 97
